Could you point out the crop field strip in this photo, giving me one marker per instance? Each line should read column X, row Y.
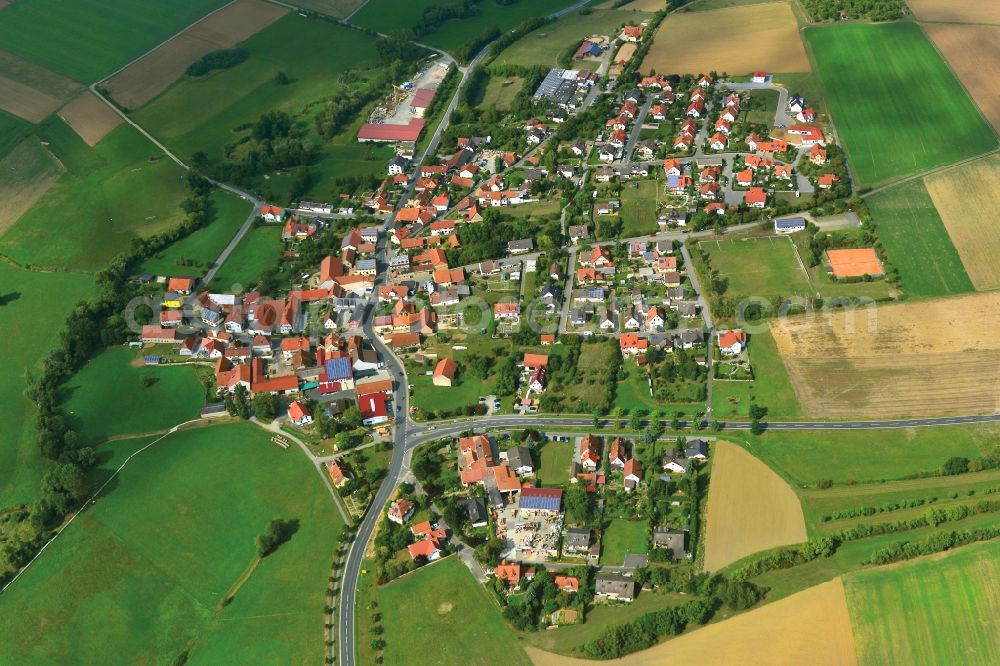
column 700, row 42
column 150, row 76
column 90, row 117
column 892, row 128
column 936, row 355
column 977, row 68
column 28, row 172
column 950, row 11
column 30, row 91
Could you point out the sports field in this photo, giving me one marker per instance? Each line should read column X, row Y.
column 937, row 356
column 544, row 45
column 195, row 253
column 750, row 508
column 130, row 190
column 814, row 627
column 29, row 171
column 109, row 396
column 890, row 127
column 388, row 16
column 29, row 331
column 90, row 117
column 148, row 77
column 95, row 36
column 917, row 242
column 142, row 574
column 443, row 600
column 966, row 201
column 935, row 610
column 701, row 42
column 978, row 68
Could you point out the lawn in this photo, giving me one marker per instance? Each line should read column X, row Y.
column 869, row 455
column 88, row 39
column 633, row 393
column 545, row 45
column 313, row 53
column 195, row 253
column 107, row 398
column 639, row 208
column 428, row 398
column 443, row 600
column 770, row 387
column 141, row 575
column 388, row 16
column 555, row 459
column 500, row 92
column 28, row 332
column 258, row 250
column 892, row 127
column 130, row 190
column 936, row 610
column 917, row 242
column 621, row 538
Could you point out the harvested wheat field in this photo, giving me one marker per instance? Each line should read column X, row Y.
column 142, row 81
column 966, row 199
column 977, row 68
column 750, row 508
column 637, row 5
column 737, row 40
column 983, row 11
column 912, row 359
column 810, row 627
column 28, row 172
column 90, row 117
column 25, row 102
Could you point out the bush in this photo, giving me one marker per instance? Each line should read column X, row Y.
column 278, row 531
column 224, row 59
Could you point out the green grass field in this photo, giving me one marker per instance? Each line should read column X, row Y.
column 107, row 398
column 545, row 45
column 621, row 538
column 500, row 91
column 91, row 215
column 258, row 250
column 142, row 573
column 770, row 387
column 94, row 36
column 388, row 16
column 200, row 249
column 29, row 331
column 937, row 610
column 427, row 397
column 917, row 242
column 12, row 130
column 869, row 455
column 312, row 53
column 335, row 8
column 444, row 601
column 555, row 461
column 891, row 126
column 639, row 208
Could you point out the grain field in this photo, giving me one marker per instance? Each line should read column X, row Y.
column 977, row 68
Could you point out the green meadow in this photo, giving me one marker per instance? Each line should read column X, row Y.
column 935, row 610
column 111, row 397
column 621, row 538
column 195, row 253
column 917, row 242
column 142, row 574
column 89, row 39
column 12, row 130
column 28, row 331
column 123, row 189
column 769, row 388
column 389, row 16
column 258, row 250
column 898, row 107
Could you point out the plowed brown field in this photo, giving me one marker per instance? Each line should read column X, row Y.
column 981, row 11
column 147, row 78
column 89, row 117
column 911, row 359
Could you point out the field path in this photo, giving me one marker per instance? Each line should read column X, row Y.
column 810, row 627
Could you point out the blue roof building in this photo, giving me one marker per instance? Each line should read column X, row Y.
column 540, row 499
column 338, row 369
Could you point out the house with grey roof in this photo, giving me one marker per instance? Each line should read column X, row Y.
column 614, row 586
column 671, row 540
column 520, row 246
column 519, row 459
column 576, row 540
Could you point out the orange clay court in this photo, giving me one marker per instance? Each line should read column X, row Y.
column 854, row 263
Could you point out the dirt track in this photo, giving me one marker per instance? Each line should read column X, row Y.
column 750, row 508
column 150, row 76
column 89, row 117
column 911, row 359
column 811, row 627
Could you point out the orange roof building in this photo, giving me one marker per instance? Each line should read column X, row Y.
column 510, row 572
column 532, row 361
column 853, row 263
column 337, row 472
column 444, row 373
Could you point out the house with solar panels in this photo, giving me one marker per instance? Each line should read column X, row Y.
column 789, row 225
column 540, row 502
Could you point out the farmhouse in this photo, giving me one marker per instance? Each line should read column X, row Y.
column 853, row 263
